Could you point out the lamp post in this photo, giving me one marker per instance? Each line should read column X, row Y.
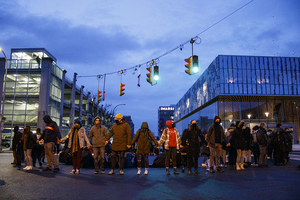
column 116, row 107
column 249, row 116
column 267, row 114
column 3, row 100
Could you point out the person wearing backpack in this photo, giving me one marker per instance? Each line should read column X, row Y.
column 142, row 137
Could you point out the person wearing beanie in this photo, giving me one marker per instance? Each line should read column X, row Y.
column 192, row 135
column 170, row 137
column 77, row 136
column 278, row 141
column 142, row 136
column 50, row 135
column 121, row 142
column 215, row 138
column 97, row 137
column 29, row 141
column 239, row 141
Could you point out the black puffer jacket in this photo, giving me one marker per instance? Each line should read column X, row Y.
column 238, row 137
column 248, row 138
column 192, row 136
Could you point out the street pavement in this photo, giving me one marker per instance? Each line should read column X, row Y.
column 276, row 182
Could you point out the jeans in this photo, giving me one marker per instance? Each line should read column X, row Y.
column 139, row 161
column 215, row 151
column 49, row 147
column 121, row 160
column 99, row 157
column 263, row 155
column 173, row 151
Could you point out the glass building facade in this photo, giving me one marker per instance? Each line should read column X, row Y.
column 164, row 113
column 251, row 88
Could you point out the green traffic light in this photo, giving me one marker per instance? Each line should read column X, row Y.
column 156, row 74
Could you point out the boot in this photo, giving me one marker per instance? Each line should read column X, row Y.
column 211, row 170
column 196, row 171
column 190, row 171
column 167, row 170
column 242, row 166
column 219, row 170
column 111, row 172
column 175, row 171
column 238, row 167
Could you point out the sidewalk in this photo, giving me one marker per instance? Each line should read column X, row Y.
column 296, row 147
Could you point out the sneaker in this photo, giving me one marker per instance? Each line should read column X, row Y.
column 96, row 172
column 47, row 170
column 73, row 171
column 25, row 168
column 29, row 168
column 121, row 172
column 111, row 172
column 211, row 170
column 190, row 172
column 146, row 172
column 219, row 170
column 103, row 171
column 139, row 172
column 56, row 170
column 77, row 171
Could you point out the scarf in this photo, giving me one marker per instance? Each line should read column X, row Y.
column 75, row 138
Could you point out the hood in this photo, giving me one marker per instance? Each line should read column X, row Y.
column 241, row 124
column 97, row 117
column 77, row 121
column 230, row 129
column 27, row 129
column 47, row 119
column 169, row 123
column 217, row 117
column 144, row 125
column 16, row 128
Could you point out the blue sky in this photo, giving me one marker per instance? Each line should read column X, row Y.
column 96, row 37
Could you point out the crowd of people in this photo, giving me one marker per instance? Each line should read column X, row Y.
column 219, row 148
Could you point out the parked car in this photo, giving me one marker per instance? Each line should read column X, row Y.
column 5, row 143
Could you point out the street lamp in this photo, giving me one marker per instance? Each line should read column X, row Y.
column 267, row 114
column 117, row 106
column 3, row 99
column 249, row 116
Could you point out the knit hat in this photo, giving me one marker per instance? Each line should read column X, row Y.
column 77, row 121
column 119, row 116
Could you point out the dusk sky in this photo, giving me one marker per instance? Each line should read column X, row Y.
column 95, row 37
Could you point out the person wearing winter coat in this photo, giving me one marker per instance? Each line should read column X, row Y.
column 142, row 137
column 98, row 135
column 29, row 140
column 239, row 141
column 215, row 138
column 289, row 145
column 50, row 136
column 231, row 149
column 77, row 136
column 204, row 149
column 14, row 144
column 279, row 142
column 190, row 139
column 17, row 145
column 262, row 140
column 255, row 146
column 248, row 145
column 37, row 152
column 121, row 133
column 171, row 139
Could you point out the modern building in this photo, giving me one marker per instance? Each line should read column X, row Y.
column 131, row 124
column 36, row 86
column 255, row 89
column 164, row 113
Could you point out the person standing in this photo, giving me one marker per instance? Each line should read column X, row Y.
column 50, row 136
column 248, row 146
column 255, row 146
column 142, row 137
column 231, row 149
column 192, row 135
column 238, row 139
column 29, row 140
column 14, row 144
column 215, row 138
column 262, row 140
column 98, row 135
column 204, row 149
column 171, row 139
column 18, row 147
column 289, row 145
column 279, row 142
column 121, row 133
column 77, row 136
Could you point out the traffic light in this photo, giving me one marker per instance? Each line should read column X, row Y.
column 121, row 89
column 149, row 75
column 188, row 65
column 156, row 73
column 99, row 95
column 195, row 64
